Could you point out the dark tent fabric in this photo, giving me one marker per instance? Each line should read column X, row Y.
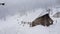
column 44, row 20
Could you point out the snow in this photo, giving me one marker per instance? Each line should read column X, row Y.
column 13, row 25
column 32, row 16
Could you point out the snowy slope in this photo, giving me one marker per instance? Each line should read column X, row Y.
column 32, row 16
column 13, row 25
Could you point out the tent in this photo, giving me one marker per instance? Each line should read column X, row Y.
column 38, row 15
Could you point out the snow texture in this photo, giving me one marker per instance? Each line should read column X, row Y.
column 13, row 25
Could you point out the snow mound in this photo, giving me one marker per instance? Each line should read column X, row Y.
column 12, row 25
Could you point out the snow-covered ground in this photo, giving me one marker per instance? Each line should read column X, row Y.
column 13, row 25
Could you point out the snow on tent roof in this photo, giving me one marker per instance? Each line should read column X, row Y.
column 32, row 16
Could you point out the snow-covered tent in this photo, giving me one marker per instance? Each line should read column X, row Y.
column 44, row 20
column 38, row 13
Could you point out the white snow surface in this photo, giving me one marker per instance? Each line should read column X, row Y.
column 13, row 25
column 32, row 16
